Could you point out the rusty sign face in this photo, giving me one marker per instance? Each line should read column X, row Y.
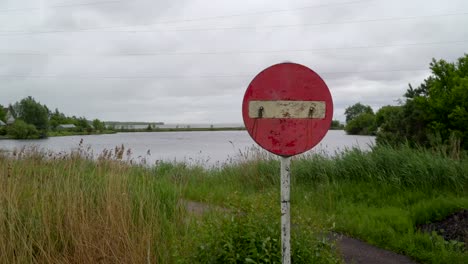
column 287, row 109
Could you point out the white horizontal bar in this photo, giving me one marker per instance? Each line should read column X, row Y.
column 287, row 109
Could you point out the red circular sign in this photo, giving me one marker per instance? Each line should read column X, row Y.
column 287, row 109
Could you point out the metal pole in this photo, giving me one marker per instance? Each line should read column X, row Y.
column 285, row 209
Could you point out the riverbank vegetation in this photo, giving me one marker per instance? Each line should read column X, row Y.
column 29, row 119
column 69, row 207
column 181, row 129
column 61, row 208
column 434, row 113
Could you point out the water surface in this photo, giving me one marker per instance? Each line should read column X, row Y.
column 203, row 147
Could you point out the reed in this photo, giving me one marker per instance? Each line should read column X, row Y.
column 69, row 209
column 84, row 208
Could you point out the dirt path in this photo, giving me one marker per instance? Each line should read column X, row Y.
column 352, row 250
column 356, row 251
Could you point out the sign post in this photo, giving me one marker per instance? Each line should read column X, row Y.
column 287, row 110
column 285, row 209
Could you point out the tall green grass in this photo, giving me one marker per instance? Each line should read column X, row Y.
column 380, row 196
column 57, row 208
column 403, row 167
column 67, row 209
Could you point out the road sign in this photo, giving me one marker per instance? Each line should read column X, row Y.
column 287, row 109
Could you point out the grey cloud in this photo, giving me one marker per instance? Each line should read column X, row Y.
column 374, row 76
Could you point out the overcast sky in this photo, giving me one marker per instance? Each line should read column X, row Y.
column 191, row 61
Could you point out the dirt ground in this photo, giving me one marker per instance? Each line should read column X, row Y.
column 454, row 227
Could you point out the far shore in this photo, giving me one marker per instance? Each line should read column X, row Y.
column 181, row 129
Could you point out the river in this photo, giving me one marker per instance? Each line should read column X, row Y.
column 207, row 148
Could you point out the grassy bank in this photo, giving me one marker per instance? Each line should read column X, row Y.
column 75, row 133
column 71, row 209
column 183, row 129
column 380, row 197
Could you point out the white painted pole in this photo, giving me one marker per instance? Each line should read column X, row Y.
column 285, row 209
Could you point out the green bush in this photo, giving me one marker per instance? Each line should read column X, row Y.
column 253, row 235
column 364, row 124
column 22, row 130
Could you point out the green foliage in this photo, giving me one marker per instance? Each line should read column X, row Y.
column 252, row 234
column 336, row 124
column 82, row 124
column 437, row 109
column 402, row 166
column 378, row 196
column 33, row 113
column 2, row 113
column 382, row 196
column 135, row 213
column 389, row 122
column 363, row 124
column 360, row 120
column 58, row 118
column 22, row 130
column 351, row 112
column 98, row 125
column 47, row 122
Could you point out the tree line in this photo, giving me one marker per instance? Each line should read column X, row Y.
column 34, row 120
column 433, row 114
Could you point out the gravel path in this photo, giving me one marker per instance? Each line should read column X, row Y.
column 352, row 250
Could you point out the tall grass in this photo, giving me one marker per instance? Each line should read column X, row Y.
column 403, row 167
column 57, row 208
column 67, row 209
column 380, row 196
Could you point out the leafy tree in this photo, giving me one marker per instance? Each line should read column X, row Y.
column 21, row 130
column 82, row 124
column 98, row 125
column 32, row 112
column 357, row 109
column 336, row 125
column 58, row 118
column 149, row 128
column 363, row 124
column 2, row 113
column 437, row 109
column 360, row 120
column 390, row 127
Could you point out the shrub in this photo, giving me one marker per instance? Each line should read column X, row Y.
column 22, row 130
column 254, row 236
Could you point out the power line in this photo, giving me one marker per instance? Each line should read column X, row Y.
column 60, row 6
column 252, row 13
column 182, row 76
column 189, row 19
column 358, row 21
column 162, row 53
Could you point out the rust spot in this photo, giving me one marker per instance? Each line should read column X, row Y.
column 273, row 132
column 274, row 141
column 291, row 143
